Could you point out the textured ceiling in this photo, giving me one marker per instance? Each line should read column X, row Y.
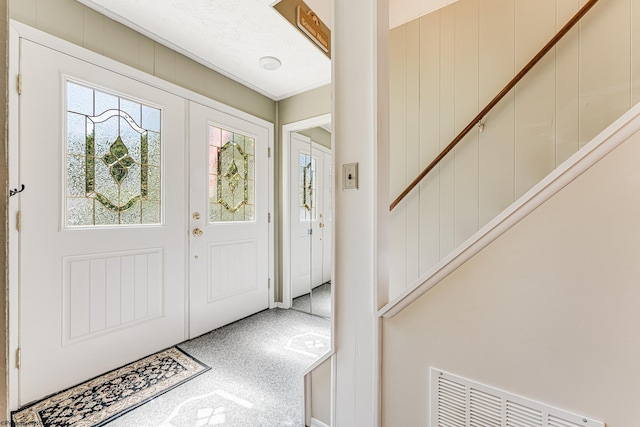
column 230, row 36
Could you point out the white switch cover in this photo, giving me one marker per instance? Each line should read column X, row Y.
column 350, row 176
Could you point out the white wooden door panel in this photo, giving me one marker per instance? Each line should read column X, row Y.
column 94, row 297
column 229, row 201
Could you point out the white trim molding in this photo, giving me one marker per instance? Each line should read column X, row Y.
column 317, row 423
column 610, row 138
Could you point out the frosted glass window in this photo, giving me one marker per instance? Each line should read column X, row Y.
column 231, row 176
column 113, row 159
column 307, row 187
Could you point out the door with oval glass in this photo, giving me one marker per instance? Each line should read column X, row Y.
column 311, row 221
column 229, row 235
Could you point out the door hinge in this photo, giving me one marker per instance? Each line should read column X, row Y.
column 19, row 220
column 269, row 217
column 268, row 151
column 19, row 84
column 269, row 284
column 18, row 358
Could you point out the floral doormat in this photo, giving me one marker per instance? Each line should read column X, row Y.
column 104, row 398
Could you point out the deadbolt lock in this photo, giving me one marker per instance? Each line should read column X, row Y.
column 196, row 215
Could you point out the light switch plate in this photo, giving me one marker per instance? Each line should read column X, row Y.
column 350, row 176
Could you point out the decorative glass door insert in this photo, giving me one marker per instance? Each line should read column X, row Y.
column 307, row 182
column 113, row 159
column 231, row 176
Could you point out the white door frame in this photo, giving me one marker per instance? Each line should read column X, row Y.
column 285, row 211
column 19, row 30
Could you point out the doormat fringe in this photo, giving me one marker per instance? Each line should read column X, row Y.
column 100, row 400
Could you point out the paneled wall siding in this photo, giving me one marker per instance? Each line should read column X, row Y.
column 78, row 24
column 446, row 66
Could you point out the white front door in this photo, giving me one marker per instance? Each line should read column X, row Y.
column 229, row 208
column 103, row 240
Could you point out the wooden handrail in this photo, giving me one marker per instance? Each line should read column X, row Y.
column 497, row 99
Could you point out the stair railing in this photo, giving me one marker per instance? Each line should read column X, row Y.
column 478, row 119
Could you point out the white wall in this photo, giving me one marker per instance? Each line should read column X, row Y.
column 447, row 65
column 354, row 133
column 549, row 311
column 321, row 392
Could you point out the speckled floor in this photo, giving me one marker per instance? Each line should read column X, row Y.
column 318, row 302
column 255, row 378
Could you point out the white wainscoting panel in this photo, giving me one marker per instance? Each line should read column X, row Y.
column 106, row 291
column 232, row 269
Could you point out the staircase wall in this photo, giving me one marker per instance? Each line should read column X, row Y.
column 550, row 310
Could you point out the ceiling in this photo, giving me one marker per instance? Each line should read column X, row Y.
column 230, row 36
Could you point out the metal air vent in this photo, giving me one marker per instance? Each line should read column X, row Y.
column 460, row 402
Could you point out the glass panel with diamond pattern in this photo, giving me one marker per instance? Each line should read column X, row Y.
column 113, row 159
column 231, row 176
column 307, row 187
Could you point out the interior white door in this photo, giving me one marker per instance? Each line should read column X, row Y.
column 310, row 215
column 102, row 246
column 302, row 213
column 229, row 196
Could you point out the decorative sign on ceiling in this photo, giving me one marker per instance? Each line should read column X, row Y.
column 311, row 25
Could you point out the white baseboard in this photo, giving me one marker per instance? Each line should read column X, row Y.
column 317, row 423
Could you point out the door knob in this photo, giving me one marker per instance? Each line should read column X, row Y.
column 197, row 232
column 321, row 225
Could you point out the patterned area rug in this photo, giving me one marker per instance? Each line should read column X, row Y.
column 102, row 399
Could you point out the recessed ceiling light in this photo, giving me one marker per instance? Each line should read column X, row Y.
column 270, row 63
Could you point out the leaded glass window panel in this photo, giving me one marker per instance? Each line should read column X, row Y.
column 231, row 176
column 113, row 159
column 307, row 187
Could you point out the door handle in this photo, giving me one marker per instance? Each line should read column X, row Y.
column 197, row 232
column 321, row 225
